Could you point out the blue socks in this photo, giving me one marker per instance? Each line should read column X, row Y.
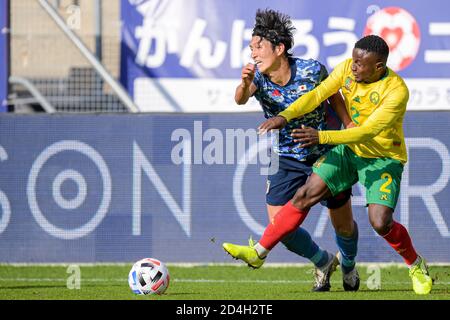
column 301, row 243
column 348, row 248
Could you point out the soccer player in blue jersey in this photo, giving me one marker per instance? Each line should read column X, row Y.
column 276, row 80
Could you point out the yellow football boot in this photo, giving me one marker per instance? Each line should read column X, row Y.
column 421, row 280
column 245, row 253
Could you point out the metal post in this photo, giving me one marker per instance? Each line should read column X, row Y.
column 5, row 55
column 98, row 29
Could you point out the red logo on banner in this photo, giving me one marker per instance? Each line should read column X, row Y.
column 401, row 32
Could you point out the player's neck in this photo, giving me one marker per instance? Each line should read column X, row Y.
column 281, row 74
column 379, row 76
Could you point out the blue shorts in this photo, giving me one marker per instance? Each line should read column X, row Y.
column 291, row 175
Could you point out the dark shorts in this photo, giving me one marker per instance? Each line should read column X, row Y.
column 291, row 175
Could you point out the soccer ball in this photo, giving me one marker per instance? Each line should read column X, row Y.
column 401, row 32
column 149, row 276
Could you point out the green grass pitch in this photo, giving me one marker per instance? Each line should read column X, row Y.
column 211, row 282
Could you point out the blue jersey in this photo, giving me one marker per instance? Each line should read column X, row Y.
column 305, row 76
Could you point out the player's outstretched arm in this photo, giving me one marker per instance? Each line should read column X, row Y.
column 306, row 103
column 303, row 105
column 381, row 119
column 311, row 100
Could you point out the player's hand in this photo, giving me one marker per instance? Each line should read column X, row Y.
column 350, row 125
column 306, row 135
column 277, row 122
column 248, row 74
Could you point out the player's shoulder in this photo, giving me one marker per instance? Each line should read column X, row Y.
column 344, row 69
column 395, row 86
column 395, row 77
column 395, row 81
column 312, row 64
column 309, row 69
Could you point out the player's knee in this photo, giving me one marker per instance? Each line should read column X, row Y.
column 381, row 226
column 344, row 231
column 381, row 219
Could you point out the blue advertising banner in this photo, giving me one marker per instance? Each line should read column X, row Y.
column 116, row 188
column 187, row 56
column 4, row 52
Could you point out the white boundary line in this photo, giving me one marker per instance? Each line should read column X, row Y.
column 196, row 281
column 200, row 264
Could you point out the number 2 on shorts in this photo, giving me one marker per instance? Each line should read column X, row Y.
column 384, row 186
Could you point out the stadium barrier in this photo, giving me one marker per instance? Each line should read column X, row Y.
column 119, row 187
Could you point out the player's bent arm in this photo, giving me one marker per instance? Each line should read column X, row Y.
column 311, row 100
column 338, row 105
column 243, row 93
column 382, row 118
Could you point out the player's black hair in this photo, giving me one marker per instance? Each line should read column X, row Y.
column 373, row 43
column 275, row 27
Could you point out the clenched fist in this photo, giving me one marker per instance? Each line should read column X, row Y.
column 248, row 74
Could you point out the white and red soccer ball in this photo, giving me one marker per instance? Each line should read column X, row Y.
column 401, row 32
column 149, row 276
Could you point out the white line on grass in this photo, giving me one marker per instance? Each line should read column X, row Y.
column 190, row 281
column 207, row 264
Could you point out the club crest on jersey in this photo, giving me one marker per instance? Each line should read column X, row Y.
column 348, row 83
column 374, row 97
